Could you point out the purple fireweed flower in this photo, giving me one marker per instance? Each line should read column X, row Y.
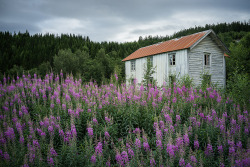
column 124, row 156
column 178, row 118
column 137, row 131
column 209, row 150
column 116, row 77
column 168, row 118
column 182, row 162
column 170, row 150
column 209, row 118
column 179, row 142
column 64, row 106
column 107, row 136
column 152, row 162
column 240, row 118
column 146, row 146
column 119, row 159
column 19, row 127
column 231, row 151
column 211, row 96
column 220, row 149
column 95, row 121
column 196, row 144
column 246, row 130
column 53, row 152
column 10, row 134
column 6, row 156
column 224, row 114
column 50, row 161
column 67, row 97
column 230, row 143
column 201, row 115
column 186, row 139
column 41, row 123
column 42, row 134
column 171, row 128
column 158, row 134
column 159, row 144
column 90, row 132
column 131, row 153
column 233, row 122
column 174, row 100
column 107, row 119
column 93, row 159
column 61, row 133
column 137, row 143
column 213, row 113
column 193, row 159
column 21, row 140
column 239, row 145
column 108, row 163
column 73, row 130
column 36, row 144
column 51, row 130
column 161, row 124
column 218, row 99
column 98, row 149
column 52, row 105
column 58, row 101
column 71, row 112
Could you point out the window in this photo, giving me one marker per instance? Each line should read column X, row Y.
column 172, row 59
column 133, row 65
column 150, row 59
column 206, row 59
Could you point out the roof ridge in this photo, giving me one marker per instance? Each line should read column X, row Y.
column 174, row 44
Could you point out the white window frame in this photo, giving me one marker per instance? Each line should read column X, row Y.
column 132, row 65
column 207, row 59
column 172, row 59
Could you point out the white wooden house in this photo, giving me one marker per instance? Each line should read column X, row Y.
column 196, row 54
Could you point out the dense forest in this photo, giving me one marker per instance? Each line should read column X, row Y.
column 24, row 53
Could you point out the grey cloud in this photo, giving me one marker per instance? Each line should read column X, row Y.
column 117, row 19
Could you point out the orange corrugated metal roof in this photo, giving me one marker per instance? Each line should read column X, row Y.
column 167, row 46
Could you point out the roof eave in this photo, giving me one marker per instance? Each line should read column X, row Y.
column 223, row 46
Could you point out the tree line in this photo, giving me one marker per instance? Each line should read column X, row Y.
column 24, row 53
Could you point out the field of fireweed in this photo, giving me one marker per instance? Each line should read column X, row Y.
column 63, row 122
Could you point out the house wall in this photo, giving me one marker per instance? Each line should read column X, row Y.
column 162, row 67
column 139, row 70
column 217, row 62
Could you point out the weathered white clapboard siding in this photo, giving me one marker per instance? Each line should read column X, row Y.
column 161, row 65
column 196, row 62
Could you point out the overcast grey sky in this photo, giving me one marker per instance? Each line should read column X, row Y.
column 117, row 20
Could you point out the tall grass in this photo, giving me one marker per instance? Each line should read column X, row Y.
column 64, row 122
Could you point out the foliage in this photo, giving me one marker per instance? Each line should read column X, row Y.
column 186, row 80
column 149, row 70
column 22, row 51
column 240, row 55
column 238, row 86
column 206, row 80
column 61, row 121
